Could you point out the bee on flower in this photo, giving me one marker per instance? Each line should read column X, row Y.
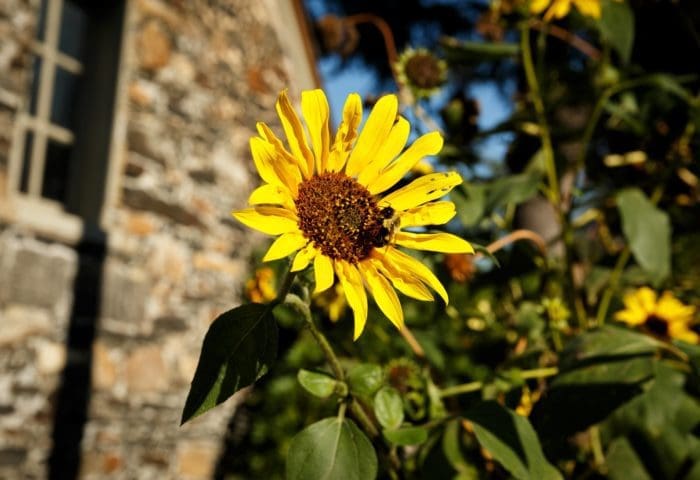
column 326, row 200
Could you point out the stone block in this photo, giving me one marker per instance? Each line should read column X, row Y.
column 104, row 367
column 50, row 357
column 146, row 371
column 124, row 293
column 154, row 46
column 20, row 323
column 196, row 460
column 36, row 273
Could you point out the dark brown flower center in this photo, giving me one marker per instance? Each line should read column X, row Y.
column 423, row 70
column 340, row 216
column 656, row 325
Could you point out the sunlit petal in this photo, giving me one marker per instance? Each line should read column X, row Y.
column 407, row 264
column 304, row 257
column 347, row 133
column 270, row 220
column 422, row 190
column 373, row 134
column 383, row 293
column 323, row 273
column 296, row 138
column 351, row 282
column 436, row 213
column 314, row 106
column 428, row 144
column 434, row 242
column 391, row 147
column 285, row 245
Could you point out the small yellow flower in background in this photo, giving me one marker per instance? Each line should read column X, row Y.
column 326, row 200
column 261, row 288
column 527, row 401
column 666, row 316
column 561, row 8
column 421, row 71
column 332, row 302
column 556, row 310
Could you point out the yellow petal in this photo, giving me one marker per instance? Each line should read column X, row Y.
column 273, row 169
column 314, row 106
column 408, row 264
column 270, row 220
column 590, row 8
column 405, row 283
column 559, row 9
column 383, row 293
column 323, row 273
column 351, row 281
column 422, row 190
column 296, row 138
column 391, row 147
column 347, row 133
column 538, row 6
column 428, row 144
column 303, row 258
column 435, row 213
column 434, row 242
column 374, row 132
column 271, row 194
column 631, row 317
column 267, row 134
column 683, row 333
column 285, row 245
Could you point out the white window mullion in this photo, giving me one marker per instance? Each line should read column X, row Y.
column 46, row 83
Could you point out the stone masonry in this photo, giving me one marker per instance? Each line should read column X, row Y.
column 197, row 77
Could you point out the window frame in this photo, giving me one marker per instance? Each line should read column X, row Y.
column 44, row 216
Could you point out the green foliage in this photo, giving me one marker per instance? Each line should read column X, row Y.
column 329, row 449
column 528, row 372
column 511, row 440
column 648, row 231
column 239, row 348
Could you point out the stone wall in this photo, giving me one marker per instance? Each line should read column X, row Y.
column 196, row 77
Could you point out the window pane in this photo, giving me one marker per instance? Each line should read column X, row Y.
column 36, row 72
column 56, row 171
column 41, row 25
column 73, row 26
column 26, row 160
column 65, row 91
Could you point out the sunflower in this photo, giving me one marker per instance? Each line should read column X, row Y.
column 561, row 8
column 666, row 316
column 326, row 199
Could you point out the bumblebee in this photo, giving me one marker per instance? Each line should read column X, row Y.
column 390, row 223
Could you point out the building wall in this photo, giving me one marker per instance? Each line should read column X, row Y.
column 195, row 77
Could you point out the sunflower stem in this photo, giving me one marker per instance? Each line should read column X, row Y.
column 476, row 386
column 303, row 308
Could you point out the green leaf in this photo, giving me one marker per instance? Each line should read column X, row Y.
column 470, row 200
column 238, row 349
column 512, row 441
column 318, row 384
column 452, row 447
column 388, row 407
column 406, row 436
column 513, row 189
column 623, row 463
column 329, row 449
column 607, row 342
column 648, row 231
column 617, row 27
column 365, row 379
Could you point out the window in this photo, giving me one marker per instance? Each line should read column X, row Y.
column 59, row 156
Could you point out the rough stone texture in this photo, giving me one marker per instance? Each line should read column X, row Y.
column 198, row 76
